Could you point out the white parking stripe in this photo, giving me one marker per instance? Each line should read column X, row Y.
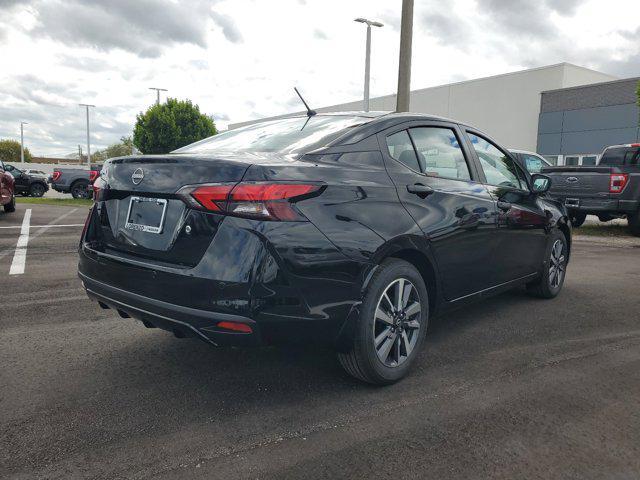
column 20, row 256
column 48, row 226
column 42, row 229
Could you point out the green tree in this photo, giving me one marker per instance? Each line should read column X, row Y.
column 174, row 124
column 121, row 149
column 10, row 151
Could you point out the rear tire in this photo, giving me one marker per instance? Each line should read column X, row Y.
column 577, row 219
column 387, row 338
column 79, row 190
column 552, row 279
column 634, row 223
column 11, row 206
column 36, row 190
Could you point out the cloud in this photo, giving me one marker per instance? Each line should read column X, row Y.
column 142, row 27
column 228, row 25
column 449, row 31
column 319, row 34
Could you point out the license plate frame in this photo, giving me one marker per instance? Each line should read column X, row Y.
column 572, row 202
column 140, row 227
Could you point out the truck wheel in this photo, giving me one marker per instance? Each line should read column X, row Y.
column 633, row 220
column 392, row 325
column 577, row 219
column 79, row 190
column 36, row 190
column 11, row 206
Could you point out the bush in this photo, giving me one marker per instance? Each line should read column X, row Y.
column 171, row 125
column 10, row 151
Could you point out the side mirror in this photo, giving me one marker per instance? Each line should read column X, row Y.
column 541, row 183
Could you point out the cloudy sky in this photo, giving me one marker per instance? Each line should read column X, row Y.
column 239, row 59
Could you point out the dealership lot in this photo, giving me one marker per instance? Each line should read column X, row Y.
column 511, row 387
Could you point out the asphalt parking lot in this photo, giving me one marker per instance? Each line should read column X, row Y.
column 513, row 387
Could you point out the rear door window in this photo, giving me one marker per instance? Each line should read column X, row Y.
column 439, row 152
column 401, row 148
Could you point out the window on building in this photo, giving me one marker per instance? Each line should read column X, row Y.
column 439, row 152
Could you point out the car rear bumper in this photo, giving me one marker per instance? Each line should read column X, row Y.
column 180, row 320
column 588, row 205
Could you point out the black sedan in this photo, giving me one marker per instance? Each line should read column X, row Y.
column 352, row 229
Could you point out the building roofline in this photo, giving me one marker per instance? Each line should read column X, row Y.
column 608, row 82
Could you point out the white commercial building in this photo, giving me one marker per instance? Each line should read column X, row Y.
column 507, row 106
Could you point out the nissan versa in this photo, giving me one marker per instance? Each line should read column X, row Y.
column 349, row 229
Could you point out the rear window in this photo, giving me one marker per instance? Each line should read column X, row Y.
column 286, row 136
column 618, row 156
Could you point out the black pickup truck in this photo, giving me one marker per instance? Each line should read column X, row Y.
column 609, row 190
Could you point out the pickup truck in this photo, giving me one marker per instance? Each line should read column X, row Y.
column 76, row 181
column 609, row 190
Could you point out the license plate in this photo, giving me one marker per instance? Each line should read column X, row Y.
column 572, row 202
column 146, row 214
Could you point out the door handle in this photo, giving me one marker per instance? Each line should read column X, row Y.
column 504, row 206
column 420, row 189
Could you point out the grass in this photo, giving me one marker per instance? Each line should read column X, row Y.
column 66, row 202
column 603, row 230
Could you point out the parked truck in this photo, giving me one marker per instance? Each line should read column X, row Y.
column 609, row 190
column 76, row 181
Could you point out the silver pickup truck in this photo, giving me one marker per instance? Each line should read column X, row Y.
column 609, row 190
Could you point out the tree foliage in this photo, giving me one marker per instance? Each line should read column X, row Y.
column 121, row 149
column 171, row 125
column 10, row 151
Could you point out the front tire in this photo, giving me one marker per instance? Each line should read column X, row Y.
column 392, row 325
column 11, row 206
column 552, row 279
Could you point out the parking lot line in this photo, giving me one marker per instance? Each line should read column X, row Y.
column 47, row 226
column 20, row 255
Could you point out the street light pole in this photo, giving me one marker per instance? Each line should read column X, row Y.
column 22, row 124
column 404, row 68
column 158, row 90
column 88, row 139
column 367, row 60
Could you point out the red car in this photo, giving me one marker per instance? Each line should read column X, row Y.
column 7, row 191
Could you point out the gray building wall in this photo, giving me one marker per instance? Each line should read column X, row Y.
column 585, row 119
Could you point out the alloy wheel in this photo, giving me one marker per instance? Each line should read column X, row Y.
column 396, row 322
column 557, row 265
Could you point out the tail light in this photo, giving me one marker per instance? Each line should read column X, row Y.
column 56, row 175
column 262, row 200
column 617, row 182
column 93, row 174
column 98, row 189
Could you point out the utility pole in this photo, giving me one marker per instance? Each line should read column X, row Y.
column 404, row 68
column 88, row 140
column 158, row 90
column 367, row 58
column 79, row 154
column 22, row 124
